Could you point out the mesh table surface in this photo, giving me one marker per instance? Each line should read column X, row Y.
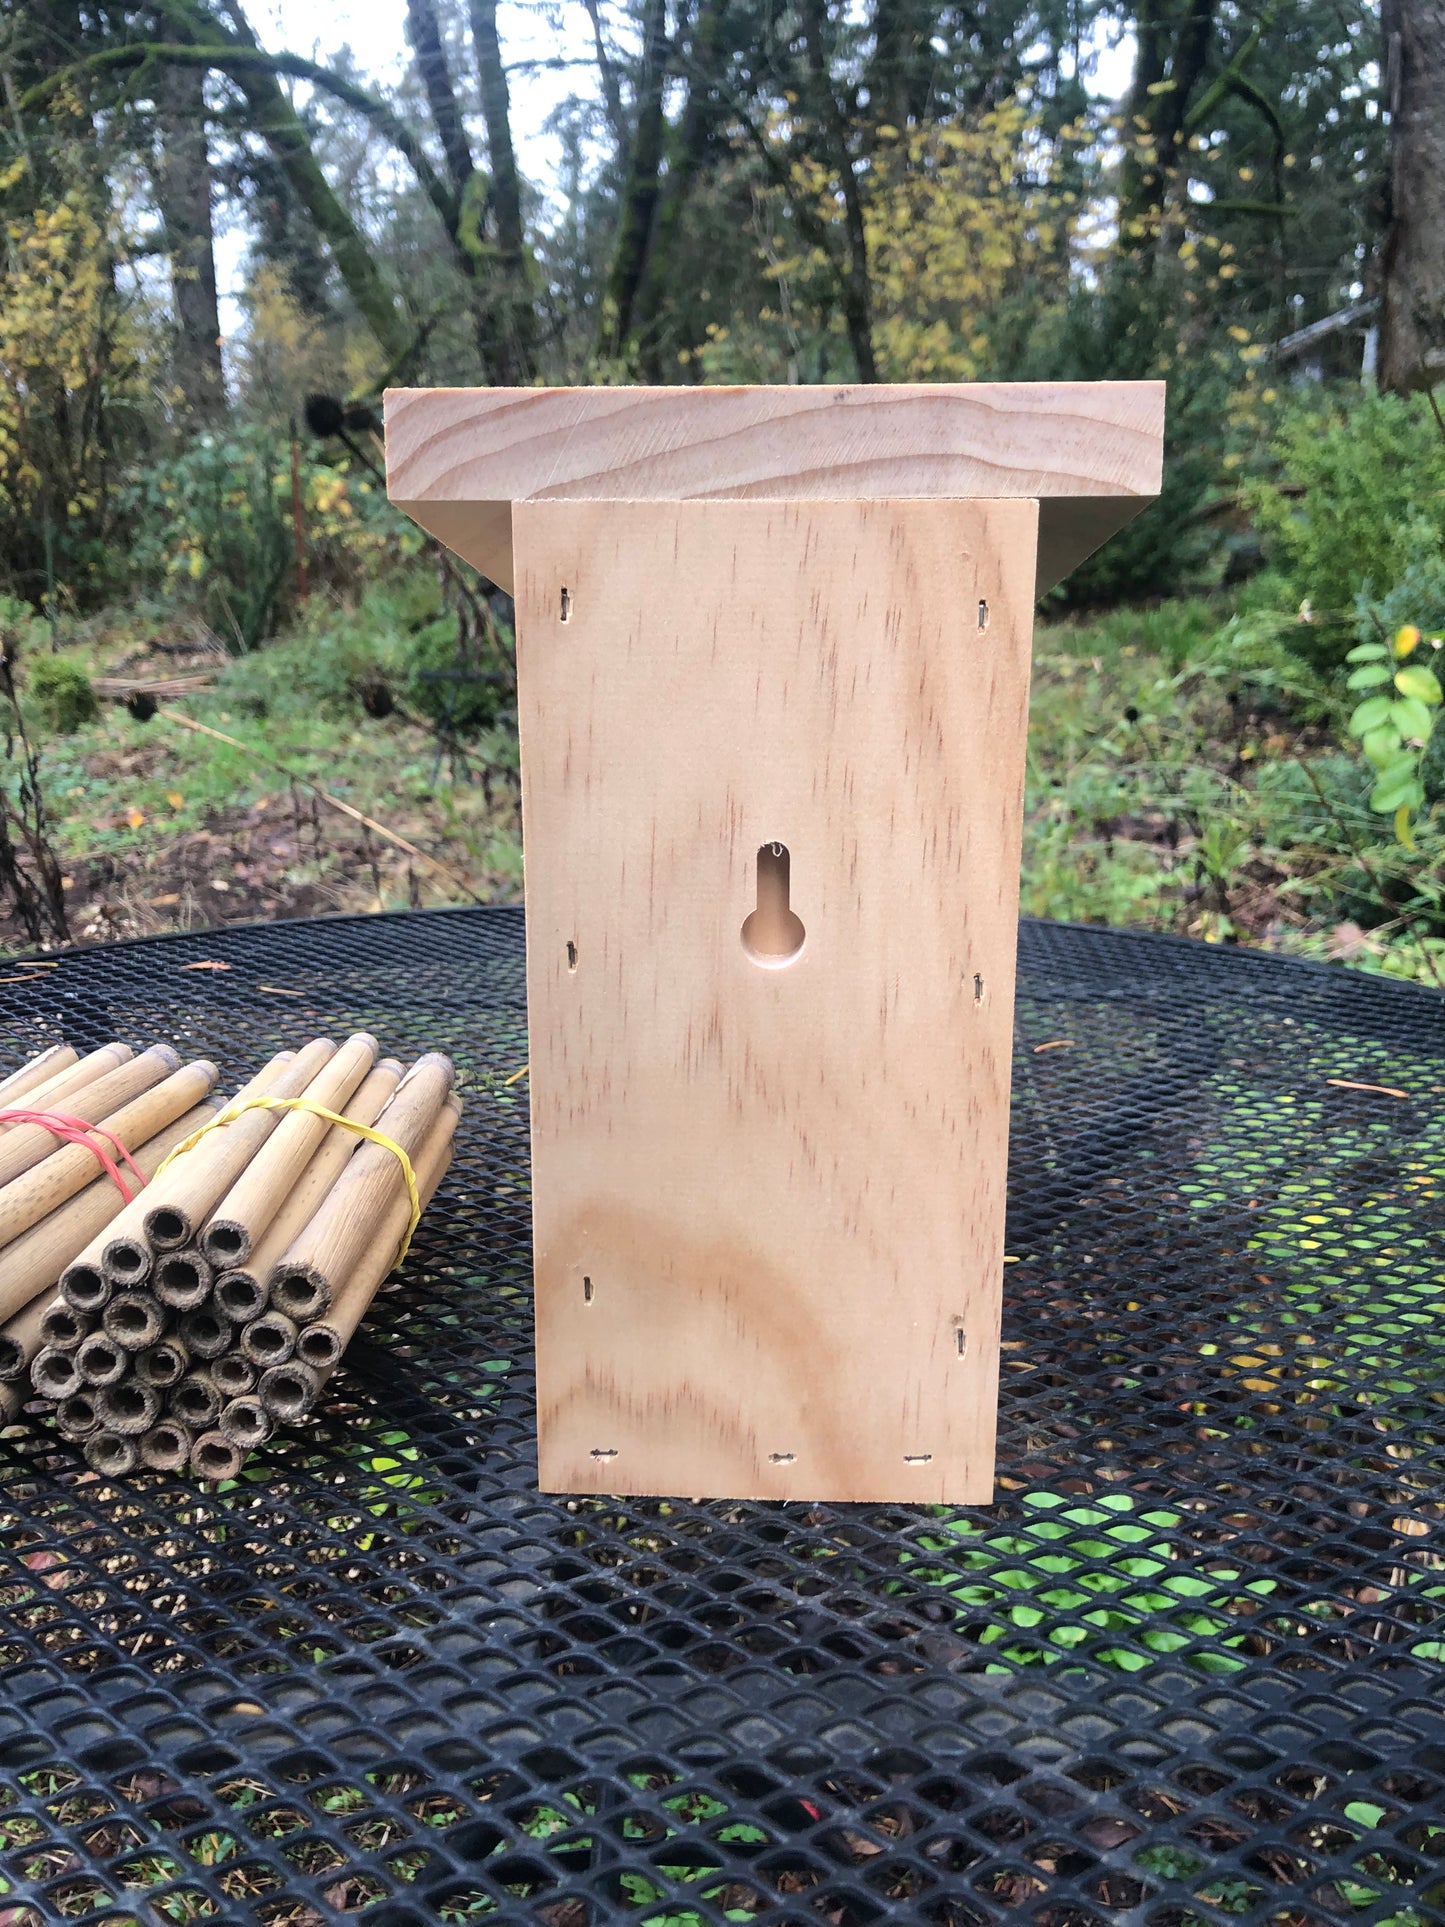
column 1191, row 1667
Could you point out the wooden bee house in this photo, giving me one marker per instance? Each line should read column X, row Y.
column 773, row 666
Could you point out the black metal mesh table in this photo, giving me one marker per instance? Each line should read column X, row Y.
column 1191, row 1668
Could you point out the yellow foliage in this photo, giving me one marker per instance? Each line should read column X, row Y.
column 954, row 225
column 954, row 222
column 71, row 348
column 286, row 354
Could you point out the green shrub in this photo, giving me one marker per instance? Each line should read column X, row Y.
column 61, row 694
column 1359, row 503
column 456, row 694
column 320, row 668
column 214, row 526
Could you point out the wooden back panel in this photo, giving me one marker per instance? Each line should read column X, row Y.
column 768, row 1193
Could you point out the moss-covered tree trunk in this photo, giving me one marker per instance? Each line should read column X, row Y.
column 183, row 195
column 1412, row 311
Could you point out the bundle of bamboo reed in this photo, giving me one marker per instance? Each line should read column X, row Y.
column 178, row 1326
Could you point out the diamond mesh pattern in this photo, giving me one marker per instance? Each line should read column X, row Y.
column 1191, row 1668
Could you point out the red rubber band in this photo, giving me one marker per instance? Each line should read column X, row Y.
column 75, row 1130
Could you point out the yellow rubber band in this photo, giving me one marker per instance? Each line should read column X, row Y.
column 233, row 1111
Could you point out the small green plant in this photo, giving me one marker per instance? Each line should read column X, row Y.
column 61, row 694
column 1395, row 720
column 1360, row 487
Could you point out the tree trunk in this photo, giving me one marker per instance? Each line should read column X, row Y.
column 611, row 86
column 655, row 295
column 1173, row 51
column 853, row 281
column 1412, row 307
column 424, row 33
column 276, row 121
column 516, row 346
column 183, row 195
column 640, row 194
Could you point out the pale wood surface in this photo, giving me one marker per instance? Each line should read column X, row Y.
column 63, row 1080
column 36, row 1258
column 36, row 1071
column 352, row 1298
column 768, row 1200
column 194, row 1185
column 29, row 1144
column 128, row 1227
column 326, row 1252
column 325, row 1166
column 36, row 1192
column 1089, row 452
column 264, row 1184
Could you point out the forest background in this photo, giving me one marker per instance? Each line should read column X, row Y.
column 234, row 684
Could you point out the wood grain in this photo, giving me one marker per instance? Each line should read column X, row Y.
column 768, row 1196
column 1089, row 452
column 36, row 1071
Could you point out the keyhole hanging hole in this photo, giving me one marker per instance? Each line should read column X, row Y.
column 567, row 605
column 977, row 988
column 773, row 933
column 571, row 956
column 982, row 612
column 961, row 1339
column 587, row 1290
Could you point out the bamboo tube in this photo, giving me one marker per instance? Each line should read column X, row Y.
column 60, row 1326
column 135, row 1321
column 288, row 1391
column 246, row 1423
column 99, row 1361
column 164, row 1365
column 166, row 1447
column 22, row 1338
column 182, row 1280
column 205, row 1334
column 184, row 1197
column 55, row 1375
column 55, row 1245
column 239, row 1296
column 36, row 1071
column 269, row 1340
column 129, row 1408
column 234, row 1375
column 71, row 1167
column 248, row 1300
column 321, row 1344
column 347, row 1224
column 110, row 1454
column 214, row 1457
column 258, row 1193
column 12, row 1399
column 76, row 1416
column 122, row 1254
column 27, row 1144
column 63, row 1080
column 195, row 1401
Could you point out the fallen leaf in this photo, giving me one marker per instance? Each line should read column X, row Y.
column 135, row 818
column 219, row 883
column 207, row 963
column 163, row 903
column 277, row 991
column 175, row 799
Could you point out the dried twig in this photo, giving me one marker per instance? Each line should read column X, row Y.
column 334, row 802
